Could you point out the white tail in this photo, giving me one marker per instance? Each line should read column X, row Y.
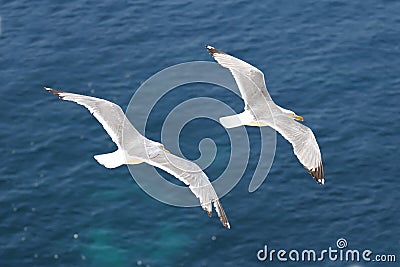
column 244, row 118
column 111, row 160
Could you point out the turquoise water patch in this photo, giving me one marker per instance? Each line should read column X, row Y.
column 103, row 250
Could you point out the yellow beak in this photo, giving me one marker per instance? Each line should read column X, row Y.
column 298, row 118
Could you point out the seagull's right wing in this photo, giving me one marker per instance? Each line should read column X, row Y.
column 249, row 79
column 304, row 144
column 190, row 174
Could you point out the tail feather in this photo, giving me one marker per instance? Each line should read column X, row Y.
column 236, row 120
column 111, row 160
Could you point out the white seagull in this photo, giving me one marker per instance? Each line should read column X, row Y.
column 137, row 149
column 260, row 110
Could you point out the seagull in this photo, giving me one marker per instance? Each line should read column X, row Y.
column 260, row 110
column 135, row 149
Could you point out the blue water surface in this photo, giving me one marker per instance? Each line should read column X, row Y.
column 336, row 63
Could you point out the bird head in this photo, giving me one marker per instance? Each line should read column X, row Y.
column 297, row 117
column 292, row 115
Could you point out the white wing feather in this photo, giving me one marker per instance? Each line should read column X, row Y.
column 304, row 144
column 249, row 79
column 191, row 175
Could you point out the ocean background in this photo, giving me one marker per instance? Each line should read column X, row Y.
column 336, row 63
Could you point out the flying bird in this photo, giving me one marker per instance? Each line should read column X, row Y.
column 135, row 149
column 260, row 110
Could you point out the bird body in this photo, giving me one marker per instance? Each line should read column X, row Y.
column 134, row 148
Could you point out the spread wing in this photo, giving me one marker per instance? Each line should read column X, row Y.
column 304, row 144
column 190, row 174
column 110, row 115
column 249, row 79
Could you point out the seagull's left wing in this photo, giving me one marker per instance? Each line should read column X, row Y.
column 304, row 144
column 190, row 174
column 249, row 79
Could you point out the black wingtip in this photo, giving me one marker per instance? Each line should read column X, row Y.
column 213, row 50
column 54, row 91
column 318, row 174
column 227, row 225
column 222, row 215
